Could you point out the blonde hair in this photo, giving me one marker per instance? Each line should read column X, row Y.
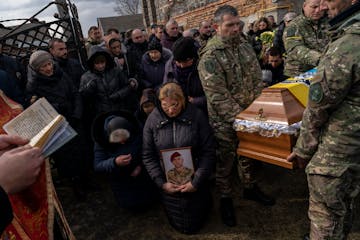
column 173, row 91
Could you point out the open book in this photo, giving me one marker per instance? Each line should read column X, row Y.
column 43, row 125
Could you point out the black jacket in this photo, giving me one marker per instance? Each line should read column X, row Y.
column 109, row 90
column 72, row 68
column 59, row 90
column 130, row 192
column 152, row 73
column 186, row 211
column 134, row 53
column 6, row 214
column 189, row 80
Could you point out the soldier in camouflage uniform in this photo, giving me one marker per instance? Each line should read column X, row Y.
column 179, row 174
column 231, row 78
column 305, row 38
column 330, row 131
column 205, row 33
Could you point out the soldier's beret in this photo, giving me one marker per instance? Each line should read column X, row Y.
column 174, row 155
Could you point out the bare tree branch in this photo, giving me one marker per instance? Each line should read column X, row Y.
column 127, row 7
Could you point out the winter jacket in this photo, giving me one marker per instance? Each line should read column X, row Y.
column 135, row 51
column 6, row 214
column 109, row 90
column 188, row 79
column 17, row 75
column 167, row 41
column 186, row 211
column 72, row 68
column 59, row 90
column 11, row 89
column 130, row 192
column 152, row 73
column 15, row 69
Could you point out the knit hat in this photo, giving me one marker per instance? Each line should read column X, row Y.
column 115, row 125
column 155, row 45
column 184, row 48
column 174, row 155
column 38, row 58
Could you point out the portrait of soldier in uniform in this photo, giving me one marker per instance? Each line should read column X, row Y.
column 178, row 172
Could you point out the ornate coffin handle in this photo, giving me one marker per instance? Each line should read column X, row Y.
column 260, row 115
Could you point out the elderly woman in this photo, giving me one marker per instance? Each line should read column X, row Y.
column 177, row 124
column 49, row 81
column 118, row 141
column 152, row 67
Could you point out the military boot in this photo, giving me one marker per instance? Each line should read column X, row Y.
column 255, row 194
column 227, row 211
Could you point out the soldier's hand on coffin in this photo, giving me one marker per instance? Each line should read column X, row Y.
column 299, row 162
column 169, row 187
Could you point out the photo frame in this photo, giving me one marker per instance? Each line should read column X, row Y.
column 178, row 165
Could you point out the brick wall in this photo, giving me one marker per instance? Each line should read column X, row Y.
column 190, row 13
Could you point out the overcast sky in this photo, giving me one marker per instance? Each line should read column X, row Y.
column 89, row 10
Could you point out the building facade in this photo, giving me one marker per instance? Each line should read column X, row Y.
column 190, row 13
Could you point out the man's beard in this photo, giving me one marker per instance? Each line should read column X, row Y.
column 231, row 40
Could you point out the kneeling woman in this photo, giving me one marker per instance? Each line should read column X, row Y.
column 118, row 142
column 177, row 124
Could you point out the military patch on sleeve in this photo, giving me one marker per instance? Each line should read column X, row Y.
column 316, row 92
column 290, row 32
column 209, row 66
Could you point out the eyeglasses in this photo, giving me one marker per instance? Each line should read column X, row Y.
column 166, row 107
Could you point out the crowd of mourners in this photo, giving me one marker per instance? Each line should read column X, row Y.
column 141, row 94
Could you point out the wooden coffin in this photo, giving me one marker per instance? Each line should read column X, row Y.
column 258, row 127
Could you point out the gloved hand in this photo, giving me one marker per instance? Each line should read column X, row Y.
column 299, row 162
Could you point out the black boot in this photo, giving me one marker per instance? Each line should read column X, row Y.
column 255, row 194
column 227, row 211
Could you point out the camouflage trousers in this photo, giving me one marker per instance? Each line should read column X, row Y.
column 226, row 156
column 331, row 204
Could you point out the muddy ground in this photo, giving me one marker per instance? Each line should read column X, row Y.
column 99, row 217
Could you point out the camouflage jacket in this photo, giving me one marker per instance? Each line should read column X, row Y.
column 330, row 131
column 181, row 177
column 304, row 42
column 231, row 78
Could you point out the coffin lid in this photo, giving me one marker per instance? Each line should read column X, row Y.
column 274, row 105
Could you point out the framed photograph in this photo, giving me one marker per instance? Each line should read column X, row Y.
column 178, row 165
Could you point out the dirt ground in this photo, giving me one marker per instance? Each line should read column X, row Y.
column 99, row 217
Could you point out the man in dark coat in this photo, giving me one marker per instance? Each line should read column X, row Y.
column 135, row 50
column 171, row 34
column 70, row 66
